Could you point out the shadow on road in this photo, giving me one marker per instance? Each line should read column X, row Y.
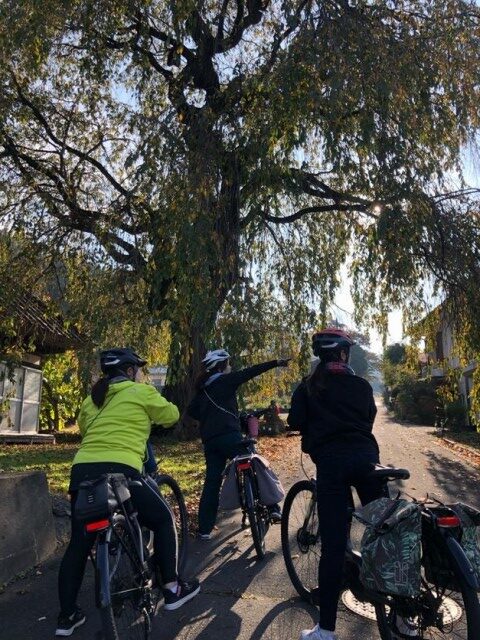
column 284, row 621
column 457, row 479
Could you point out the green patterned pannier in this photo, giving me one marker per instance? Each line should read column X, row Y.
column 391, row 546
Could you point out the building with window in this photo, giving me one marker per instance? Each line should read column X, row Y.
column 36, row 334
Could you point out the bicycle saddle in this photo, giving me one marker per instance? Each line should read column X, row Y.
column 390, row 473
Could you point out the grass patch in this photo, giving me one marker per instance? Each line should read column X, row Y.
column 183, row 460
column 468, row 438
column 55, row 460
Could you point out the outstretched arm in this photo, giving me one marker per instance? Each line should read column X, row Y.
column 236, row 378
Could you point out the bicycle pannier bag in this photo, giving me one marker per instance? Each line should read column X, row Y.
column 270, row 488
column 229, row 498
column 391, row 546
column 96, row 498
column 470, row 542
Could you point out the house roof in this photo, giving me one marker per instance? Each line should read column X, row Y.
column 35, row 324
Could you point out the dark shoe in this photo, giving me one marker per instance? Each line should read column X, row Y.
column 185, row 592
column 66, row 625
column 275, row 514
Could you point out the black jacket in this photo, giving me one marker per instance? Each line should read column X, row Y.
column 219, row 420
column 341, row 413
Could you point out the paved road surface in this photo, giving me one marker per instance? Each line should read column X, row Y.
column 242, row 599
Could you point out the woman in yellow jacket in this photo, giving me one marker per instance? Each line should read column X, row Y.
column 115, row 422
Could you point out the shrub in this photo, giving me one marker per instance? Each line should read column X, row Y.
column 415, row 401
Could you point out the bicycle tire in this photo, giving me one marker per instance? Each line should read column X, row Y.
column 468, row 627
column 171, row 492
column 300, row 538
column 256, row 525
column 124, row 618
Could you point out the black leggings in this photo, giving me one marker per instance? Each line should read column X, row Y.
column 153, row 512
column 337, row 471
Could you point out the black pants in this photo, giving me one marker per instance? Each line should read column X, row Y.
column 153, row 512
column 338, row 469
column 217, row 451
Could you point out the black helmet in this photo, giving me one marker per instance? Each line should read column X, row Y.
column 112, row 359
column 331, row 339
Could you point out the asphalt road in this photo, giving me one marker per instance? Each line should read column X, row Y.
column 242, row 599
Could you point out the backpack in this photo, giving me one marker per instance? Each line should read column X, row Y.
column 391, row 546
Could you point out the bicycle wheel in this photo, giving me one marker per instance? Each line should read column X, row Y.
column 257, row 525
column 128, row 614
column 171, row 492
column 457, row 616
column 301, row 539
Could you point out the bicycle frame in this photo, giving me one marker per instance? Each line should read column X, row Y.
column 102, row 557
column 243, row 465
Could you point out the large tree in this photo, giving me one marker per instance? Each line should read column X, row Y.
column 209, row 144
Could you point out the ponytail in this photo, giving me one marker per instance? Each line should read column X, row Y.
column 99, row 391
column 316, row 381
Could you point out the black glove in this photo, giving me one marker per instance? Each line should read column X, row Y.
column 283, row 362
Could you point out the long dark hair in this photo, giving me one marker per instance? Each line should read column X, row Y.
column 99, row 391
column 100, row 388
column 204, row 375
column 317, row 381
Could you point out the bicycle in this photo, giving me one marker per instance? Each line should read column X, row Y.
column 125, row 579
column 253, row 510
column 446, row 608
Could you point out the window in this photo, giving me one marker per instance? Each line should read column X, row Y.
column 20, row 400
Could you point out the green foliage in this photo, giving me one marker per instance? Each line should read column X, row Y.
column 188, row 149
column 255, row 327
column 395, row 354
column 61, row 397
column 415, row 400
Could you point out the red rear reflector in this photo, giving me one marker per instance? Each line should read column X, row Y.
column 448, row 521
column 241, row 466
column 96, row 526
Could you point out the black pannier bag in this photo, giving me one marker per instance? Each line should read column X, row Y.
column 438, row 569
column 97, row 499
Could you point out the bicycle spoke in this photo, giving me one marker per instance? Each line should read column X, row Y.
column 128, row 597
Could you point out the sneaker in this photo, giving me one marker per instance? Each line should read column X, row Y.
column 204, row 536
column 185, row 592
column 406, row 627
column 275, row 514
column 317, row 634
column 66, row 625
column 245, row 522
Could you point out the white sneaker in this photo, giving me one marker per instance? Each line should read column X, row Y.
column 317, row 634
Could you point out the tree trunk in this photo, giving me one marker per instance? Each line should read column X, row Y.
column 186, row 353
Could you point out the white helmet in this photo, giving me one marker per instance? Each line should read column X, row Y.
column 214, row 357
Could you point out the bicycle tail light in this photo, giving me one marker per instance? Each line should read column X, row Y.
column 243, row 466
column 448, row 521
column 97, row 525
